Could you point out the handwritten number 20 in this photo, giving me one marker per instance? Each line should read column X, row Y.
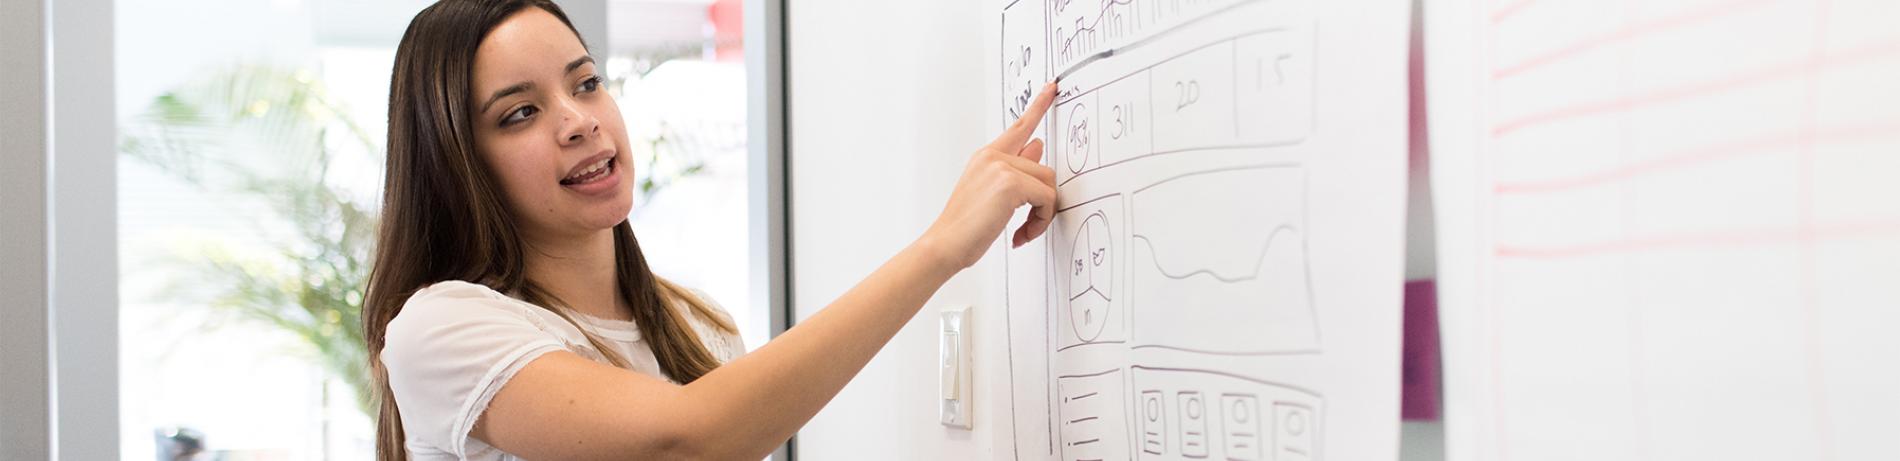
column 1189, row 92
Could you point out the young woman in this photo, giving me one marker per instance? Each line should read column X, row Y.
column 510, row 313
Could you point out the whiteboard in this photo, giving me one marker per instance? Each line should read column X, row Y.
column 1222, row 279
column 1668, row 229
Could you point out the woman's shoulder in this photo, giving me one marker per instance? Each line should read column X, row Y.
column 455, row 302
column 456, row 298
column 712, row 305
column 454, row 290
column 725, row 345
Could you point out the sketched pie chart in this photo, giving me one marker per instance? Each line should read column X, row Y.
column 1091, row 277
column 1076, row 148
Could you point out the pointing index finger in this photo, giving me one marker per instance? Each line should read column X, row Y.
column 1013, row 139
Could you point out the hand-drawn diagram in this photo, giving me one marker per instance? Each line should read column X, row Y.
column 1088, row 238
column 1092, row 415
column 1076, row 148
column 1160, row 313
column 1261, row 259
column 1091, row 277
column 1192, row 414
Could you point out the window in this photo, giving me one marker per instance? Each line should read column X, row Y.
column 251, row 147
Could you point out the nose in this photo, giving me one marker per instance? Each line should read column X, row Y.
column 576, row 123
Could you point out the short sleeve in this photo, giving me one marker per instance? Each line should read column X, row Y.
column 725, row 346
column 449, row 350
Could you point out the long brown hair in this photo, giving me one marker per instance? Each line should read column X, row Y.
column 444, row 218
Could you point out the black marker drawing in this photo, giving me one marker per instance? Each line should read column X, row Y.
column 1238, row 281
column 1091, row 277
column 1186, row 94
column 1176, row 265
column 1077, row 136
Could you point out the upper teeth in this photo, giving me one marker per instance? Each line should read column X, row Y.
column 590, row 170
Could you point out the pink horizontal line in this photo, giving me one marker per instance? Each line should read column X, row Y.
column 1628, row 31
column 1730, row 239
column 1508, row 10
column 1766, row 74
column 1701, row 155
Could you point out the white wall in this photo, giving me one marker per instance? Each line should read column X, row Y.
column 867, row 147
column 872, row 158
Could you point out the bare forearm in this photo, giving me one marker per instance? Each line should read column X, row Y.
column 760, row 399
column 745, row 409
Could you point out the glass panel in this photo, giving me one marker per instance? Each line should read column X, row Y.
column 250, row 172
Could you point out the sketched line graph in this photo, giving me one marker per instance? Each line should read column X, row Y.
column 1283, row 231
column 1234, row 281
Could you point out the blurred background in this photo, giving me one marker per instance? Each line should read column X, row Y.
column 239, row 336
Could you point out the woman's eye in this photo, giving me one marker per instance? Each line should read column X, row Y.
column 591, row 84
column 519, row 115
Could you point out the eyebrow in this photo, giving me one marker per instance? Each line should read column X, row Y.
column 525, row 86
column 504, row 92
column 577, row 63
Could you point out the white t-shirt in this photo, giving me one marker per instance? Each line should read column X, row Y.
column 456, row 343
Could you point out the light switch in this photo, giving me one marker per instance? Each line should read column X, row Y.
column 953, row 372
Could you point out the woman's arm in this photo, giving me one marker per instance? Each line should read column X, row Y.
column 562, row 406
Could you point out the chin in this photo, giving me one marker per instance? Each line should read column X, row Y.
column 609, row 216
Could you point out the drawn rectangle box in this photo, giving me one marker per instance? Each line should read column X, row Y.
column 1153, row 412
column 1233, row 282
column 1127, row 123
column 1093, row 416
column 1223, row 415
column 1193, row 414
column 1023, row 66
column 1193, row 99
column 1240, row 426
column 1273, row 85
column 1295, row 432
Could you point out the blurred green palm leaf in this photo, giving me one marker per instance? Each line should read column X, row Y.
column 268, row 135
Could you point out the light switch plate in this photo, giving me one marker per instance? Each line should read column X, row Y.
column 953, row 367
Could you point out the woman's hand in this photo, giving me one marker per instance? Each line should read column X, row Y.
column 1001, row 177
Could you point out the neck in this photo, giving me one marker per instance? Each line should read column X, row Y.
column 581, row 271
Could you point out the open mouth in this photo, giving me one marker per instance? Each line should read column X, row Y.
column 592, row 173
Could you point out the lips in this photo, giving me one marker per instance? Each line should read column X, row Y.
column 594, row 169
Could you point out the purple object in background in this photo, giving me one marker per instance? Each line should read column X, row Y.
column 1419, row 399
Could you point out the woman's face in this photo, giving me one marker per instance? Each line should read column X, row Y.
column 546, row 128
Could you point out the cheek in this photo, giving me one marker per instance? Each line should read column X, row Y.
column 522, row 173
column 608, row 113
